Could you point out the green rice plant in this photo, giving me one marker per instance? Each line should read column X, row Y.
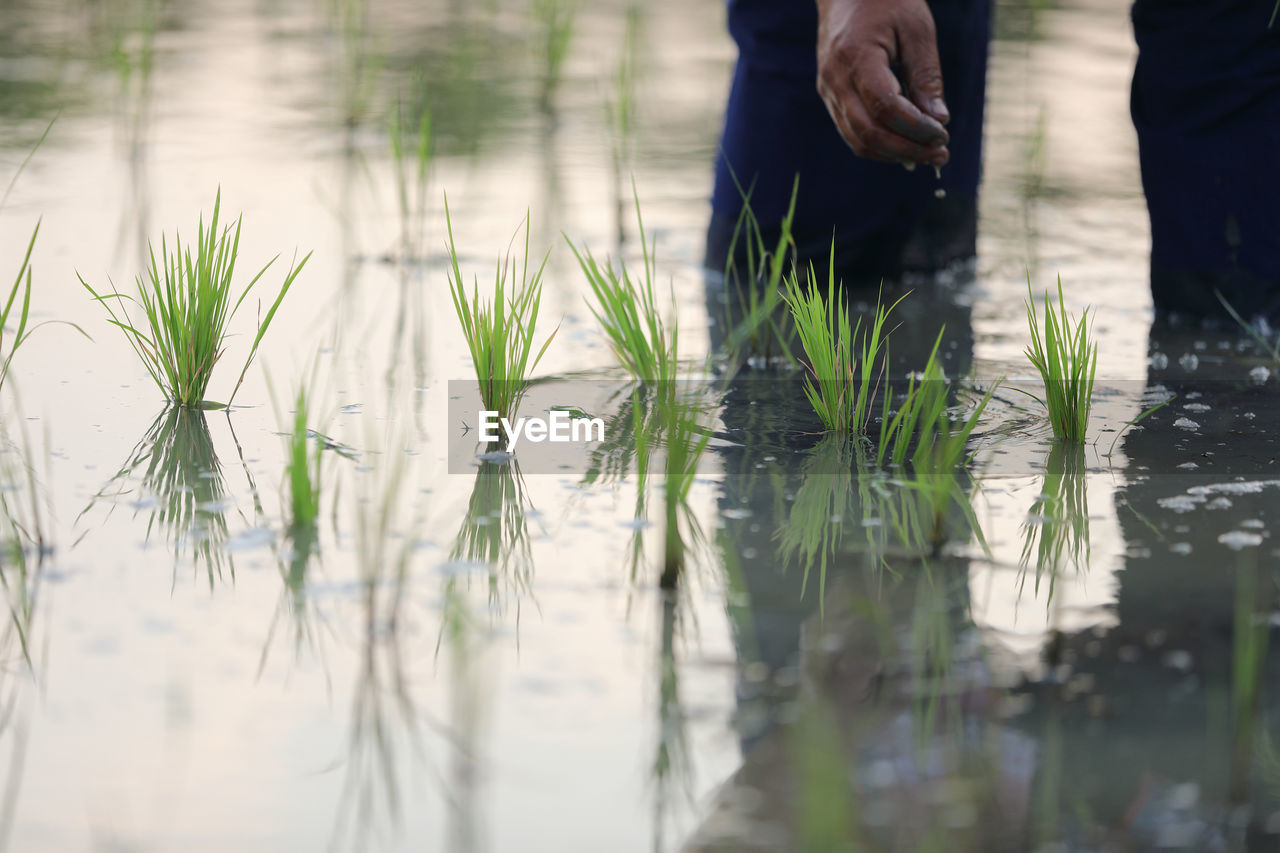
column 627, row 310
column 411, row 176
column 843, row 375
column 187, row 302
column 8, row 349
column 923, row 423
column 499, row 333
column 554, row 20
column 1067, row 361
column 758, row 291
column 9, row 345
column 304, row 457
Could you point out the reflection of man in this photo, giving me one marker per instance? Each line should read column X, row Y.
column 1205, row 103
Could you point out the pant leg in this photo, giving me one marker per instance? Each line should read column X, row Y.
column 881, row 216
column 1206, row 105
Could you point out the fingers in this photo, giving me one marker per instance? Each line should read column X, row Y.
column 876, row 119
column 918, row 44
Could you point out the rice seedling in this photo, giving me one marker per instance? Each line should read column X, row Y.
column 923, row 423
column 1067, row 360
column 761, row 335
column 1268, row 346
column 620, row 110
column 187, row 303
column 627, row 310
column 554, row 20
column 411, row 175
column 843, row 377
column 9, row 344
column 500, row 333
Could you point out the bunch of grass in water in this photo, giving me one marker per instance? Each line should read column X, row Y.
column 757, row 291
column 627, row 309
column 499, row 333
column 923, row 425
column 1067, row 360
column 187, row 300
column 302, row 470
column 841, row 356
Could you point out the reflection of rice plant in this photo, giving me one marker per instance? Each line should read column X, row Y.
column 182, row 487
column 1056, row 532
column 187, row 300
column 495, row 531
column 386, row 724
column 628, row 312
column 23, row 549
column 843, row 377
column 1067, row 361
column 499, row 334
column 759, row 289
column 554, row 21
column 825, row 506
column 686, row 439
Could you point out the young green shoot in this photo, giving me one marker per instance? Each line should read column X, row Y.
column 1067, row 360
column 411, row 159
column 843, row 375
column 756, row 331
column 627, row 310
column 187, row 301
column 9, row 345
column 499, row 333
column 554, row 19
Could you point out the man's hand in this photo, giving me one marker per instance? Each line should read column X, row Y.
column 858, row 43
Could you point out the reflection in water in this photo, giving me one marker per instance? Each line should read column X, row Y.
column 24, row 547
column 621, row 110
column 494, row 535
column 1056, row 532
column 385, row 738
column 179, row 484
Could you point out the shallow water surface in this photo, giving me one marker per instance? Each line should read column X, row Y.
column 1064, row 649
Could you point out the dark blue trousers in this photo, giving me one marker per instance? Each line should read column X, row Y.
column 1205, row 102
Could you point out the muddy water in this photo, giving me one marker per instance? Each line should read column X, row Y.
column 477, row 656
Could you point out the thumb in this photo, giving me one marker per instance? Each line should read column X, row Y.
column 918, row 44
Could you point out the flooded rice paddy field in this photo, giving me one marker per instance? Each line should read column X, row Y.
column 477, row 656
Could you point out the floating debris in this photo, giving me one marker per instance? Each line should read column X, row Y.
column 1238, row 540
column 1260, row 374
column 1187, row 424
column 1189, row 361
